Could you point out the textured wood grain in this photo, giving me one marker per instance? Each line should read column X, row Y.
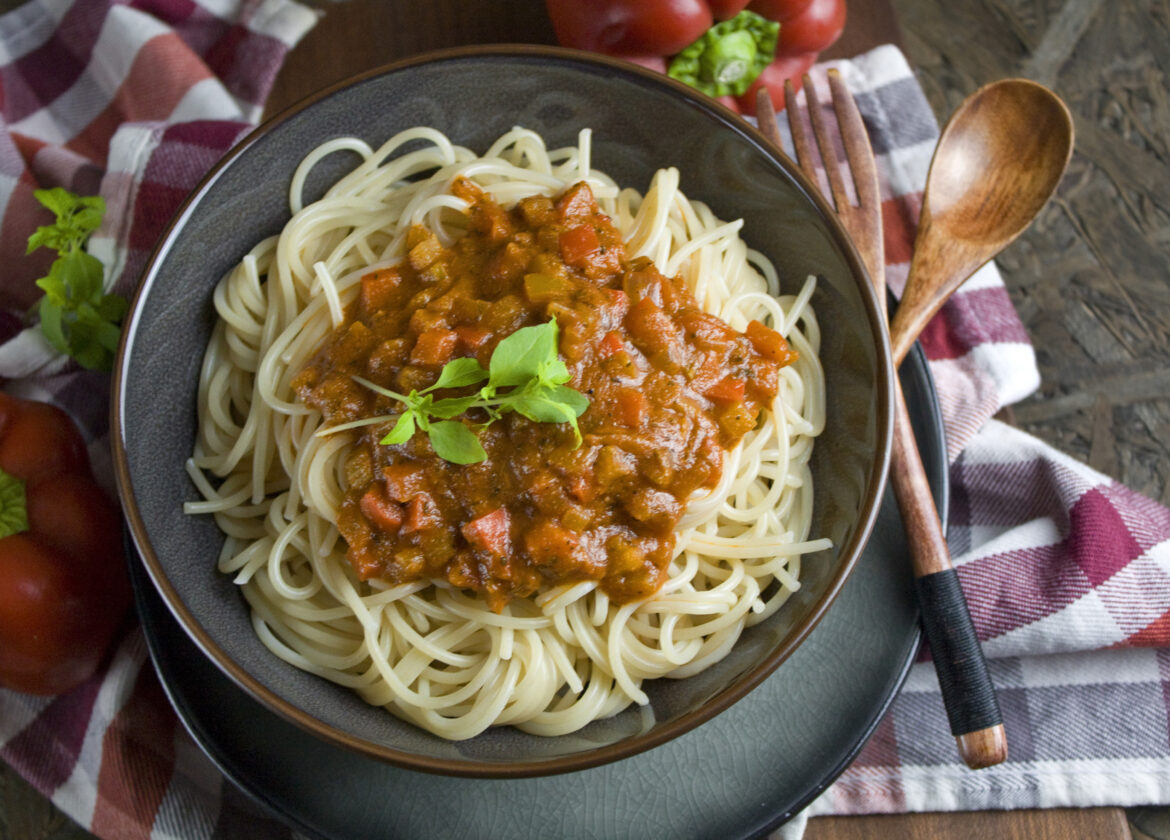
column 1090, row 277
column 1057, row 824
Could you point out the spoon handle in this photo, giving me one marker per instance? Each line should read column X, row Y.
column 967, row 689
column 968, row 693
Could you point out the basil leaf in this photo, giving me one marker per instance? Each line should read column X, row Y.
column 540, row 407
column 575, row 400
column 77, row 317
column 54, row 287
column 88, row 216
column 519, row 357
column 452, row 406
column 108, row 335
column 77, row 218
column 402, row 432
column 526, row 362
column 90, row 354
column 576, row 431
column 57, row 199
column 554, row 372
column 86, row 277
column 113, row 308
column 45, row 236
column 75, row 274
column 454, row 442
column 459, row 372
column 50, row 313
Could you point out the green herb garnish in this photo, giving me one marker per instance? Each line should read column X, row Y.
column 525, row 364
column 76, row 316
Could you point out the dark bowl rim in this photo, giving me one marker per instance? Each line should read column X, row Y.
column 606, row 753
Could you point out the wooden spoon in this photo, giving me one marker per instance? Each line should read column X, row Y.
column 998, row 161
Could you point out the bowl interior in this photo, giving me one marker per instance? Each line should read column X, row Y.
column 640, row 122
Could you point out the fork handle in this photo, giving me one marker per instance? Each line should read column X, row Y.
column 968, row 693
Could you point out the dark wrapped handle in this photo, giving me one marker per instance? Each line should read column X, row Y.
column 968, row 693
column 962, row 671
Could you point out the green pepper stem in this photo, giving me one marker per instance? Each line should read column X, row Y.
column 729, row 56
column 13, row 506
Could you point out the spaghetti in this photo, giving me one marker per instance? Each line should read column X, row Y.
column 431, row 652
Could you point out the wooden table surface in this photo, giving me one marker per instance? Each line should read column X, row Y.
column 1089, row 278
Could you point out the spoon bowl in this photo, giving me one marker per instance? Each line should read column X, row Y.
column 998, row 161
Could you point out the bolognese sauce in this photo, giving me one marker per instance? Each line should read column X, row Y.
column 670, row 387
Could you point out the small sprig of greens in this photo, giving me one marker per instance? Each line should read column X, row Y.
column 524, row 375
column 76, row 316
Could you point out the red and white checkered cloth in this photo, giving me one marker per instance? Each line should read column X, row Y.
column 1067, row 573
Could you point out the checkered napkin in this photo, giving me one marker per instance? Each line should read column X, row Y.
column 1066, row 572
column 135, row 99
column 1063, row 568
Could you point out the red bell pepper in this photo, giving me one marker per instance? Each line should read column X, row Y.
column 64, row 589
column 728, row 49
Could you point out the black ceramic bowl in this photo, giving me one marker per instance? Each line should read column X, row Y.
column 641, row 122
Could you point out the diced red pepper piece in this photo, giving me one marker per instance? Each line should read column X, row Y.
column 581, row 487
column 730, row 389
column 491, row 220
column 491, row 532
column 644, row 282
column 377, row 289
column 577, row 203
column 403, row 481
column 422, row 514
column 508, row 263
column 422, row 320
column 578, row 245
column 380, row 510
column 551, row 544
column 472, row 338
column 619, row 303
column 655, row 334
column 630, row 407
column 769, row 343
column 610, row 344
column 434, row 347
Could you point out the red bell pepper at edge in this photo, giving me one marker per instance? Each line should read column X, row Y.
column 64, row 589
column 653, row 32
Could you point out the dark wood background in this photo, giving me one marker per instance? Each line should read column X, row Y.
column 1090, row 278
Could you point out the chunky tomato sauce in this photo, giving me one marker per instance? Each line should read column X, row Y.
column 670, row 387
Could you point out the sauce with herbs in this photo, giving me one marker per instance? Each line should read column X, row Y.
column 670, row 387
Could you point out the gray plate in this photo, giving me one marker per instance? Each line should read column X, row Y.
column 739, row 775
column 641, row 121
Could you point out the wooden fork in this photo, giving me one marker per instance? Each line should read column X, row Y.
column 968, row 693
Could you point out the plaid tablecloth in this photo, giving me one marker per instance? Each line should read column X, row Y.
column 1067, row 572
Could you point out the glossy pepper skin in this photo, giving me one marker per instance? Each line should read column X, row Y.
column 653, row 33
column 637, row 28
column 64, row 589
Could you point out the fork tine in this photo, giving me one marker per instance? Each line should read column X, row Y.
column 856, row 141
column 766, row 118
column 825, row 144
column 801, row 132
